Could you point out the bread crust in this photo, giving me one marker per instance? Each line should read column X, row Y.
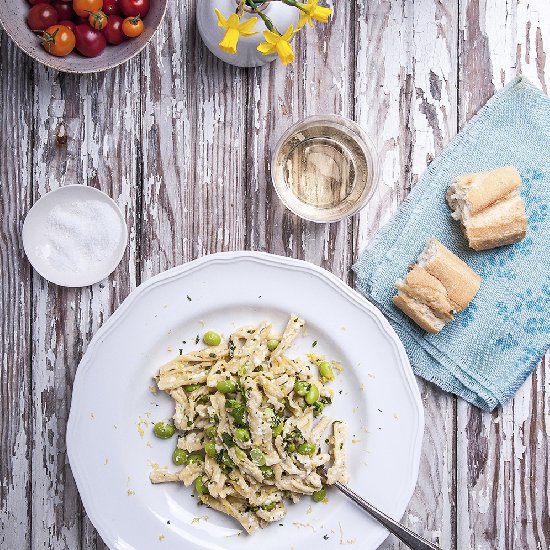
column 503, row 223
column 425, row 288
column 486, row 188
column 419, row 313
column 460, row 280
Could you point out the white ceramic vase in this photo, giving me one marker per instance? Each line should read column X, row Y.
column 247, row 53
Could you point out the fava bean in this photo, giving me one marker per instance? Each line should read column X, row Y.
column 180, row 457
column 191, row 387
column 200, row 486
column 242, row 435
column 211, row 432
column 257, row 457
column 226, row 386
column 211, row 338
column 312, row 395
column 301, row 387
column 210, row 449
column 267, row 472
column 272, row 344
column 307, row 449
column 164, row 430
column 325, row 370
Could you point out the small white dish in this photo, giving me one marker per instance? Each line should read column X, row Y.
column 37, row 237
column 110, row 442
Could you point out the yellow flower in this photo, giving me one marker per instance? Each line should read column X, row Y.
column 275, row 43
column 235, row 29
column 311, row 11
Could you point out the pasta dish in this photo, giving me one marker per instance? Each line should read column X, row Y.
column 250, row 422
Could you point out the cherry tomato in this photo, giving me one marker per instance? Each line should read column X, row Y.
column 70, row 24
column 111, row 7
column 132, row 26
column 89, row 42
column 97, row 20
column 64, row 10
column 113, row 30
column 131, row 8
column 85, row 7
column 34, row 2
column 58, row 40
column 42, row 16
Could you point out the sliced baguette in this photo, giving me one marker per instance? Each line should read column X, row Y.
column 420, row 313
column 489, row 207
column 460, row 281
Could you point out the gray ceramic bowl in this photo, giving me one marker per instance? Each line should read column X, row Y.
column 13, row 17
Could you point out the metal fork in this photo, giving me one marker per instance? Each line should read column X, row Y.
column 412, row 540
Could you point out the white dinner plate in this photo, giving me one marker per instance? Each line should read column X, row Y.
column 110, row 441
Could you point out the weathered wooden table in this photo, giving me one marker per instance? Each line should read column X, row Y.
column 182, row 142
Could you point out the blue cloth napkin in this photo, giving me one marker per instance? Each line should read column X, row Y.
column 489, row 350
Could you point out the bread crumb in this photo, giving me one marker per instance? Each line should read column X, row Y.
column 130, row 492
column 196, row 519
column 161, row 537
column 92, row 416
column 106, row 461
column 169, row 348
column 141, row 425
column 370, row 375
column 301, row 525
column 153, row 389
column 356, row 441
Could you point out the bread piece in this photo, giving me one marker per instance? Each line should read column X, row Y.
column 489, row 207
column 503, row 223
column 460, row 281
column 472, row 193
column 420, row 313
column 419, row 285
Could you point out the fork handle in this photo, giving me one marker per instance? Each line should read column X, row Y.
column 412, row 540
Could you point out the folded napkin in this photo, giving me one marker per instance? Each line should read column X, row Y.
column 489, row 350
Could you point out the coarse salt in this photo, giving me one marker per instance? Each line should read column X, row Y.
column 80, row 234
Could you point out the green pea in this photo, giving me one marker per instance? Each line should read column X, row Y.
column 210, row 449
column 164, row 430
column 312, row 394
column 226, row 459
column 241, row 455
column 325, row 370
column 267, row 472
column 257, row 456
column 211, row 432
column 200, row 486
column 242, row 435
column 307, row 449
column 320, row 495
column 211, row 338
column 272, row 345
column 226, row 386
column 195, row 458
column 278, row 429
column 290, row 448
column 191, row 387
column 180, row 457
column 301, row 387
column 269, row 507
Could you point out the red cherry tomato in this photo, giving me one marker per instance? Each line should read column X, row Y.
column 69, row 24
column 34, row 2
column 89, row 42
column 111, row 7
column 113, row 30
column 42, row 16
column 64, row 10
column 131, row 8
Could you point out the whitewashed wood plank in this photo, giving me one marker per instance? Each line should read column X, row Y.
column 406, row 101
column 15, row 291
column 99, row 114
column 193, row 138
column 504, row 457
column 318, row 82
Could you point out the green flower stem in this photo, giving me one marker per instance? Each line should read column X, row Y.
column 293, row 3
column 267, row 22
